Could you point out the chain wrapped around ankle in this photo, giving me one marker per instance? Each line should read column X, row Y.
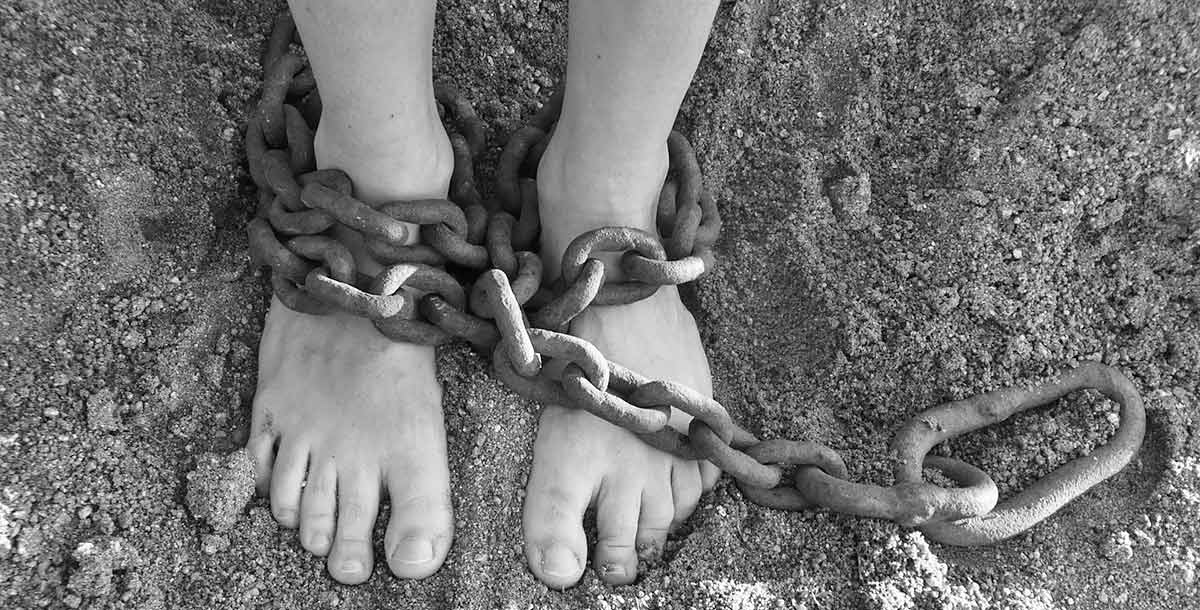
column 314, row 273
column 493, row 297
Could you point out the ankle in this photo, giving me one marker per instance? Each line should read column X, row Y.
column 588, row 186
column 392, row 161
column 581, row 188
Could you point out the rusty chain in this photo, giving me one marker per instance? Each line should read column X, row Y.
column 505, row 309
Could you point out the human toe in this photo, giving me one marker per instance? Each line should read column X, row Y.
column 421, row 525
column 687, row 484
column 317, row 507
column 261, row 448
column 617, row 508
column 350, row 560
column 287, row 478
column 654, row 520
column 555, row 545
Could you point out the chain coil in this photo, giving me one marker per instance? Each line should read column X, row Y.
column 505, row 309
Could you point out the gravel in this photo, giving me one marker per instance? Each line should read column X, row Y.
column 922, row 201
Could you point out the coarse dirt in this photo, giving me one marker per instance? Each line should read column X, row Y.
column 923, row 201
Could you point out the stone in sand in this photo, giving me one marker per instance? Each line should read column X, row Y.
column 102, row 411
column 98, row 558
column 851, row 199
column 220, row 487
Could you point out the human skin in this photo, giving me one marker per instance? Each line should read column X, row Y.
column 342, row 414
column 629, row 64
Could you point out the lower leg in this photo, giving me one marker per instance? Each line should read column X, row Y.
column 373, row 62
column 629, row 65
column 341, row 412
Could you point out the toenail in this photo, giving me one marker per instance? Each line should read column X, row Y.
column 612, row 569
column 285, row 515
column 559, row 561
column 352, row 566
column 319, row 540
column 413, row 550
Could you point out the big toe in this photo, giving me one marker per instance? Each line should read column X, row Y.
column 555, row 545
column 422, row 523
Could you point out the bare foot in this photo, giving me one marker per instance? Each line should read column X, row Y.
column 640, row 493
column 343, row 413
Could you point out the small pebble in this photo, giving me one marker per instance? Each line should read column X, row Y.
column 211, row 544
column 1118, row 547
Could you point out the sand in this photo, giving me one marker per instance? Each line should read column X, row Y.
column 922, row 201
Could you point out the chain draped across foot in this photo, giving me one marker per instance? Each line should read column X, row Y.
column 504, row 310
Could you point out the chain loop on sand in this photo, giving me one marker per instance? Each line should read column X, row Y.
column 505, row 309
column 1050, row 493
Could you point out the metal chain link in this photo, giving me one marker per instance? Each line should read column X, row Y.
column 505, row 310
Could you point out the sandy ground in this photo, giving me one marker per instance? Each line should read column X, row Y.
column 1033, row 201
